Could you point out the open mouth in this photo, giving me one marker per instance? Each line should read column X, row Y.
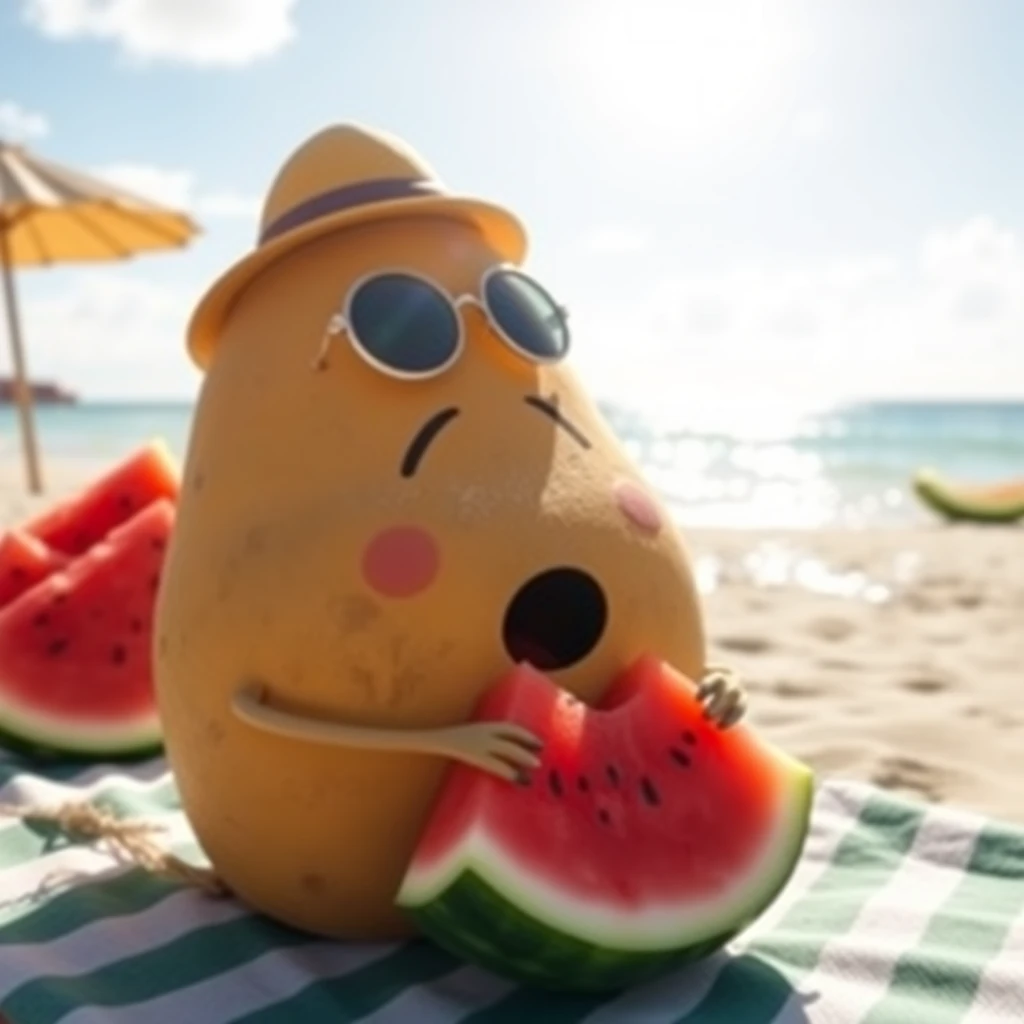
column 555, row 619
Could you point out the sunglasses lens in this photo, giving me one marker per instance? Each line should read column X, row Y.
column 404, row 325
column 528, row 317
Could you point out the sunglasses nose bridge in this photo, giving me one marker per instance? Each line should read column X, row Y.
column 474, row 307
column 492, row 352
column 463, row 304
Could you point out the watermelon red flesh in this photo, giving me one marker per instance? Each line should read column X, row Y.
column 647, row 835
column 74, row 525
column 24, row 561
column 75, row 651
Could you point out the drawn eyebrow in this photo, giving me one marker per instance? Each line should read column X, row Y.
column 552, row 412
column 424, row 436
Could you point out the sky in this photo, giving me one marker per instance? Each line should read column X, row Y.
column 793, row 201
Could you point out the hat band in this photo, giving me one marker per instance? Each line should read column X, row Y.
column 346, row 197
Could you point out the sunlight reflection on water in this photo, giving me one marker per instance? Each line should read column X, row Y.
column 776, row 565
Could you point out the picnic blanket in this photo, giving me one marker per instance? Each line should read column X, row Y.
column 898, row 913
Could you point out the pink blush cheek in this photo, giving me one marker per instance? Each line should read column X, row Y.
column 638, row 507
column 401, row 561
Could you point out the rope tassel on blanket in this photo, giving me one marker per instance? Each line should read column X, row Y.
column 126, row 839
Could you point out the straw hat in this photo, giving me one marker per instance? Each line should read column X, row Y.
column 342, row 176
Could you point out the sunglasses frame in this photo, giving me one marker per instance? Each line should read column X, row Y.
column 342, row 323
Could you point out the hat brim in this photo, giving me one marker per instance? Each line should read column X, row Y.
column 502, row 231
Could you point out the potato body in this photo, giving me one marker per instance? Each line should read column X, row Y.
column 293, row 480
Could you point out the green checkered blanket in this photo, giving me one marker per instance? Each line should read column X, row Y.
column 899, row 913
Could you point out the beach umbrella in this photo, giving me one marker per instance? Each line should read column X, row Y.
column 52, row 215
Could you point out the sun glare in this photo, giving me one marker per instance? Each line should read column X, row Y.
column 681, row 73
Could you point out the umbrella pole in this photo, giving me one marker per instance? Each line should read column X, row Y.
column 22, row 394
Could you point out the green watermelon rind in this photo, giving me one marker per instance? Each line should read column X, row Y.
column 473, row 911
column 59, row 751
column 945, row 500
column 47, row 737
column 470, row 894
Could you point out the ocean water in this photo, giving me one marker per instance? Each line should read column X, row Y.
column 848, row 465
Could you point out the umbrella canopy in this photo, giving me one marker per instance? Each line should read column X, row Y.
column 50, row 215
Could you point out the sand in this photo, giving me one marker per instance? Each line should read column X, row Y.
column 893, row 656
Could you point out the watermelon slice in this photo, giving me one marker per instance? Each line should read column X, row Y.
column 74, row 525
column 648, row 837
column 75, row 660
column 24, row 561
column 977, row 503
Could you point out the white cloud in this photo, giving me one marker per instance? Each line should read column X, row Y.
column 225, row 33
column 19, row 124
column 947, row 319
column 172, row 187
column 112, row 334
column 178, row 189
column 229, row 203
column 615, row 239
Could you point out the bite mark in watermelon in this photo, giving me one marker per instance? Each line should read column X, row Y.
column 648, row 837
column 74, row 525
column 75, row 650
column 24, row 561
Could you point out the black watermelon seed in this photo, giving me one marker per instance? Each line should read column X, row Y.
column 118, row 654
column 583, row 784
column 555, row 782
column 41, row 619
column 649, row 793
column 680, row 757
column 58, row 646
column 613, row 774
column 604, row 816
column 689, row 738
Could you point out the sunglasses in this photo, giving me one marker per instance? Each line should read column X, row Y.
column 408, row 326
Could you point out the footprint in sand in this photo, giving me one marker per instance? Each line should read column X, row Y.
column 921, row 601
column 745, row 644
column 832, row 628
column 999, row 717
column 924, row 684
column 907, row 775
column 796, row 688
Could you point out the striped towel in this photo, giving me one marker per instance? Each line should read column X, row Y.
column 899, row 913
